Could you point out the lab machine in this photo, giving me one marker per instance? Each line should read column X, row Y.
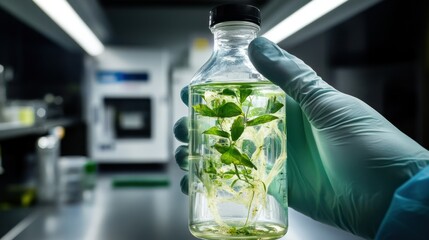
column 127, row 106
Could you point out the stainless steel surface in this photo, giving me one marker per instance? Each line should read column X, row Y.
column 143, row 213
column 117, row 213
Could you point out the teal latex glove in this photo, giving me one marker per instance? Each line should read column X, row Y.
column 345, row 160
column 408, row 214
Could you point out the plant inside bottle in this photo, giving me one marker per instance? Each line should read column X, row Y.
column 241, row 131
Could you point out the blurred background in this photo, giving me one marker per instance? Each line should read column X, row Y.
column 86, row 142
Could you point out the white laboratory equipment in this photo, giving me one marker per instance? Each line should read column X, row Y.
column 127, row 106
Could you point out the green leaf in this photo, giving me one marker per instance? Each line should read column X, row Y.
column 233, row 155
column 210, row 168
column 228, row 109
column 216, row 131
column 215, row 104
column 244, row 231
column 261, row 119
column 274, row 105
column 228, row 92
column 221, row 148
column 237, row 128
column 233, row 182
column 204, row 110
column 227, row 176
column 244, row 93
column 229, row 172
column 245, row 160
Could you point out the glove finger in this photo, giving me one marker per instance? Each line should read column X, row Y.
column 181, row 130
column 184, row 95
column 181, row 156
column 184, row 184
column 285, row 70
column 298, row 80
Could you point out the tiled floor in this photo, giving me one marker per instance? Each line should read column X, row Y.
column 140, row 213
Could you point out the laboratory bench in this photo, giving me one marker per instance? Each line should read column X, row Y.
column 137, row 212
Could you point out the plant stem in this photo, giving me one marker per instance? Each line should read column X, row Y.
column 248, row 210
column 236, row 172
column 245, row 177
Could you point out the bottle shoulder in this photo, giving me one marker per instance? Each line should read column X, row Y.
column 227, row 68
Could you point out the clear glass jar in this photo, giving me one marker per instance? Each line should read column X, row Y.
column 237, row 160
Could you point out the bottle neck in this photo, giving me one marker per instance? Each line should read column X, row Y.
column 234, row 35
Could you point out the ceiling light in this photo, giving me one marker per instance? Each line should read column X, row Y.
column 301, row 18
column 64, row 15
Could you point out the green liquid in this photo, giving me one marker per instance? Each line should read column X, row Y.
column 212, row 230
column 237, row 161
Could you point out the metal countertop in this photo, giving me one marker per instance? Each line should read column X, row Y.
column 138, row 213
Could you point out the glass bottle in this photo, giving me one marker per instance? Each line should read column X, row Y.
column 237, row 129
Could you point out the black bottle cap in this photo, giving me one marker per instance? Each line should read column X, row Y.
column 234, row 12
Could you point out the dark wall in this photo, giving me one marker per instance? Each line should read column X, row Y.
column 390, row 32
column 379, row 57
column 39, row 65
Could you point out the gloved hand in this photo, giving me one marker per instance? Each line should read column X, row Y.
column 345, row 160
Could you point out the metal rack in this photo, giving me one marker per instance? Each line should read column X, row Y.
column 9, row 130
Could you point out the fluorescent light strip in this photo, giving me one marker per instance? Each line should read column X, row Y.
column 301, row 18
column 64, row 15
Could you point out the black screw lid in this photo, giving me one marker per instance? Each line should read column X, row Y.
column 234, row 12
